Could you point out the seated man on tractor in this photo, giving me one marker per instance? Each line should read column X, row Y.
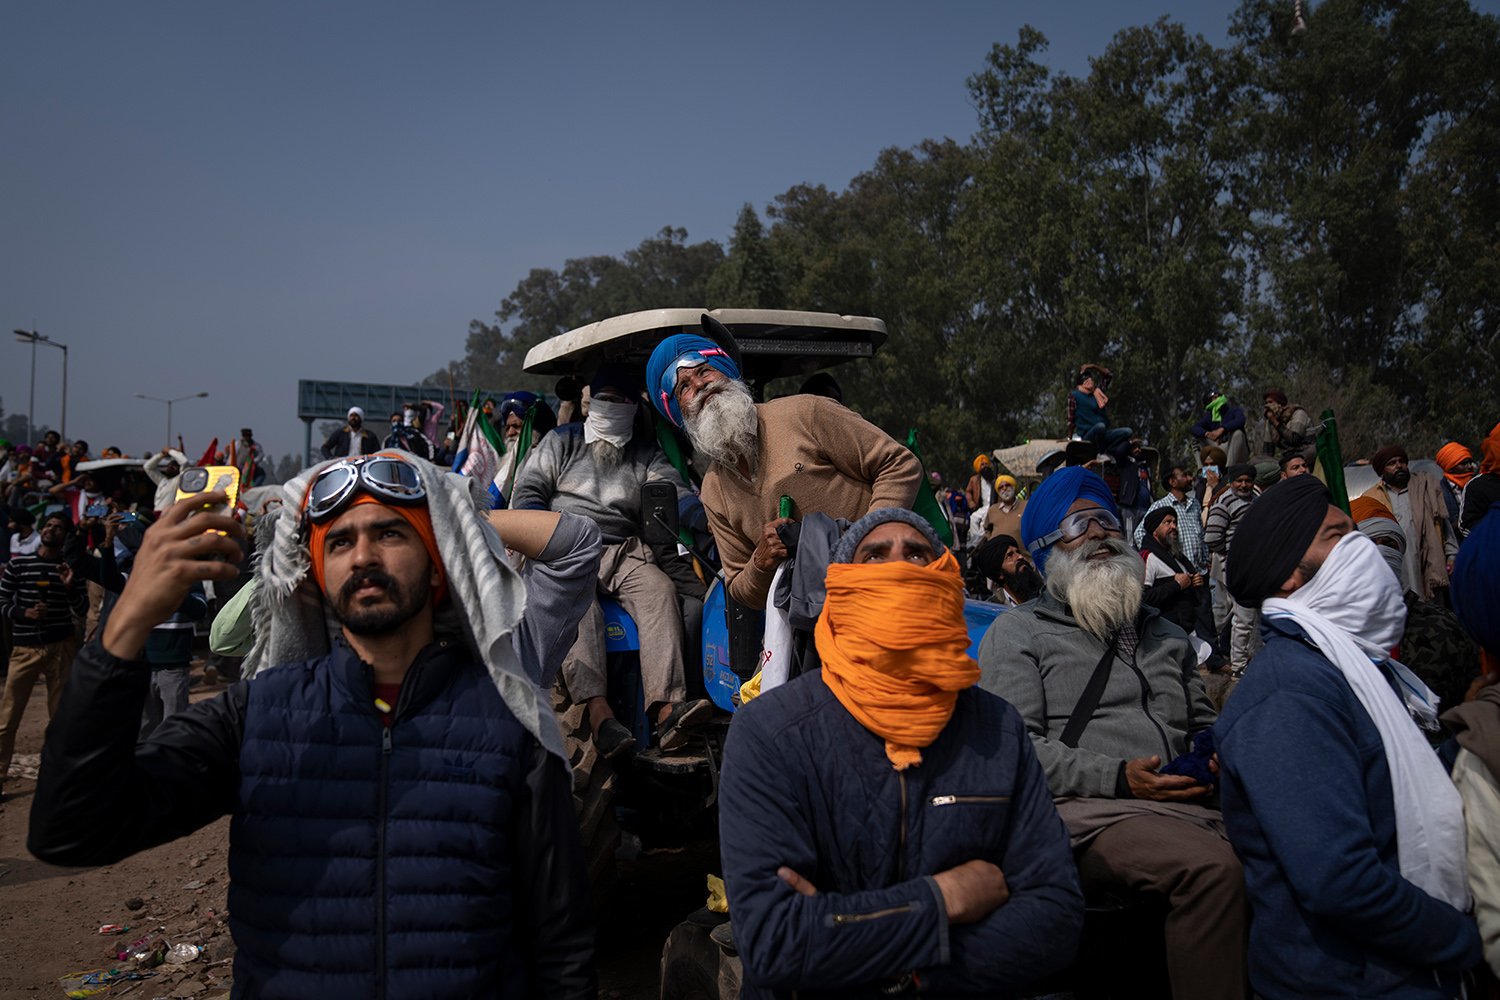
column 597, row 469
column 885, row 825
column 826, row 458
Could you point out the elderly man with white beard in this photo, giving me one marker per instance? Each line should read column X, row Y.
column 1351, row 832
column 1111, row 697
column 825, row 457
column 597, row 469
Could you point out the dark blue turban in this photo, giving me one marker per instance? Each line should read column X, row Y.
column 1474, row 587
column 661, row 370
column 1050, row 501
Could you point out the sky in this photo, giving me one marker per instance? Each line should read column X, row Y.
column 228, row 197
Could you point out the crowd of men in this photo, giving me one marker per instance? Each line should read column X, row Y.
column 1254, row 717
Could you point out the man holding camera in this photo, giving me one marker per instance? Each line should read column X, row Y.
column 1088, row 413
column 403, row 822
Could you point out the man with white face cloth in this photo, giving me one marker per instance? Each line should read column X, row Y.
column 1351, row 834
column 597, row 469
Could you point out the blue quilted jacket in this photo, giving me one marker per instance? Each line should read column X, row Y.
column 806, row 786
column 389, row 874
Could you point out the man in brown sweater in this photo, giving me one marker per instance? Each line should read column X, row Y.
column 823, row 456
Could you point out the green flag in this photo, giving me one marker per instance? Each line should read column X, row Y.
column 927, row 503
column 1331, row 458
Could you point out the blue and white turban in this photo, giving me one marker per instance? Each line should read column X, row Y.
column 683, row 350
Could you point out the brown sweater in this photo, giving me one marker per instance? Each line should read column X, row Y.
column 827, row 458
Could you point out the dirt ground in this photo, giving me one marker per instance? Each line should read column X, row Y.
column 50, row 917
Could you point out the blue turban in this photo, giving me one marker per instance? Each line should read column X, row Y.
column 661, row 370
column 1050, row 501
column 1474, row 587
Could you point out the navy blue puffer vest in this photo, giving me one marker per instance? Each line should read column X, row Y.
column 374, row 862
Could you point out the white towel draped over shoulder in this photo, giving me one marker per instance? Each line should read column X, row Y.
column 1353, row 612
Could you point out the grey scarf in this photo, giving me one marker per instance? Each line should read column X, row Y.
column 486, row 597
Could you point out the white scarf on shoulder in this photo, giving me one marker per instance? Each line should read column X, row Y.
column 1353, row 612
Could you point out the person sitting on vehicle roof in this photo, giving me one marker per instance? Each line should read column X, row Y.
column 597, row 469
column 823, row 456
column 884, row 824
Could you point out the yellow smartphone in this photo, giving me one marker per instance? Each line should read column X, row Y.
column 212, row 479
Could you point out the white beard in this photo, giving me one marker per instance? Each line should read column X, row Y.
column 723, row 426
column 606, row 454
column 1103, row 594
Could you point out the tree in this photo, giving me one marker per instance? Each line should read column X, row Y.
column 665, row 270
column 1372, row 177
column 1100, row 233
column 747, row 278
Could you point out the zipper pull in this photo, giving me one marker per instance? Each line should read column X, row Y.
column 944, row 800
column 385, row 739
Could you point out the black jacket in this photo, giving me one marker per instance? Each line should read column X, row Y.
column 189, row 773
column 337, row 445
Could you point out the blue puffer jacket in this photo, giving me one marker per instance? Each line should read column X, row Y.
column 1307, row 800
column 806, row 786
column 374, row 862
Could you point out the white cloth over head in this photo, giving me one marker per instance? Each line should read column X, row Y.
column 1352, row 610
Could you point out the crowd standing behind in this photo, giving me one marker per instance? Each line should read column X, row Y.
column 1274, row 716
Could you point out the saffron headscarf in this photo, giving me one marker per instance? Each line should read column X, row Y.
column 661, row 369
column 417, row 517
column 894, row 648
column 1452, row 454
column 1050, row 501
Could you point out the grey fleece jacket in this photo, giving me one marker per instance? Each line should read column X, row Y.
column 1038, row 659
column 561, row 474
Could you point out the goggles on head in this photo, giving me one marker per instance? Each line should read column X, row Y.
column 1075, row 526
column 389, row 479
column 692, row 359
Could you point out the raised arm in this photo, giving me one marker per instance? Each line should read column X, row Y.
column 186, row 774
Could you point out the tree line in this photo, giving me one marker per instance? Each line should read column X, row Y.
column 1311, row 206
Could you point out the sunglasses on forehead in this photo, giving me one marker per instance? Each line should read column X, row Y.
column 690, row 360
column 390, row 479
column 1076, row 526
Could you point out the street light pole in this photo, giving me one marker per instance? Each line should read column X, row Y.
column 31, row 400
column 169, row 402
column 31, row 335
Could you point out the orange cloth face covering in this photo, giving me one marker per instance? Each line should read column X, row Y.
column 894, row 649
column 417, row 517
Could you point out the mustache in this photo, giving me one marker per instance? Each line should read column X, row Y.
column 381, row 579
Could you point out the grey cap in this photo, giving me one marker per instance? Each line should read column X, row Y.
column 843, row 551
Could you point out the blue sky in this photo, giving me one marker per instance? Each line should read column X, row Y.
column 228, row 197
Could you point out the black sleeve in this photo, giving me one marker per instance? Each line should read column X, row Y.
column 101, row 797
column 553, row 908
column 1158, row 594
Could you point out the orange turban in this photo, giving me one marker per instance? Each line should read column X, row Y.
column 894, row 648
column 417, row 517
column 1450, row 455
column 1364, row 508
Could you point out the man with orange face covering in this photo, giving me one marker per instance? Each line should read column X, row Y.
column 402, row 812
column 1459, row 466
column 884, row 824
